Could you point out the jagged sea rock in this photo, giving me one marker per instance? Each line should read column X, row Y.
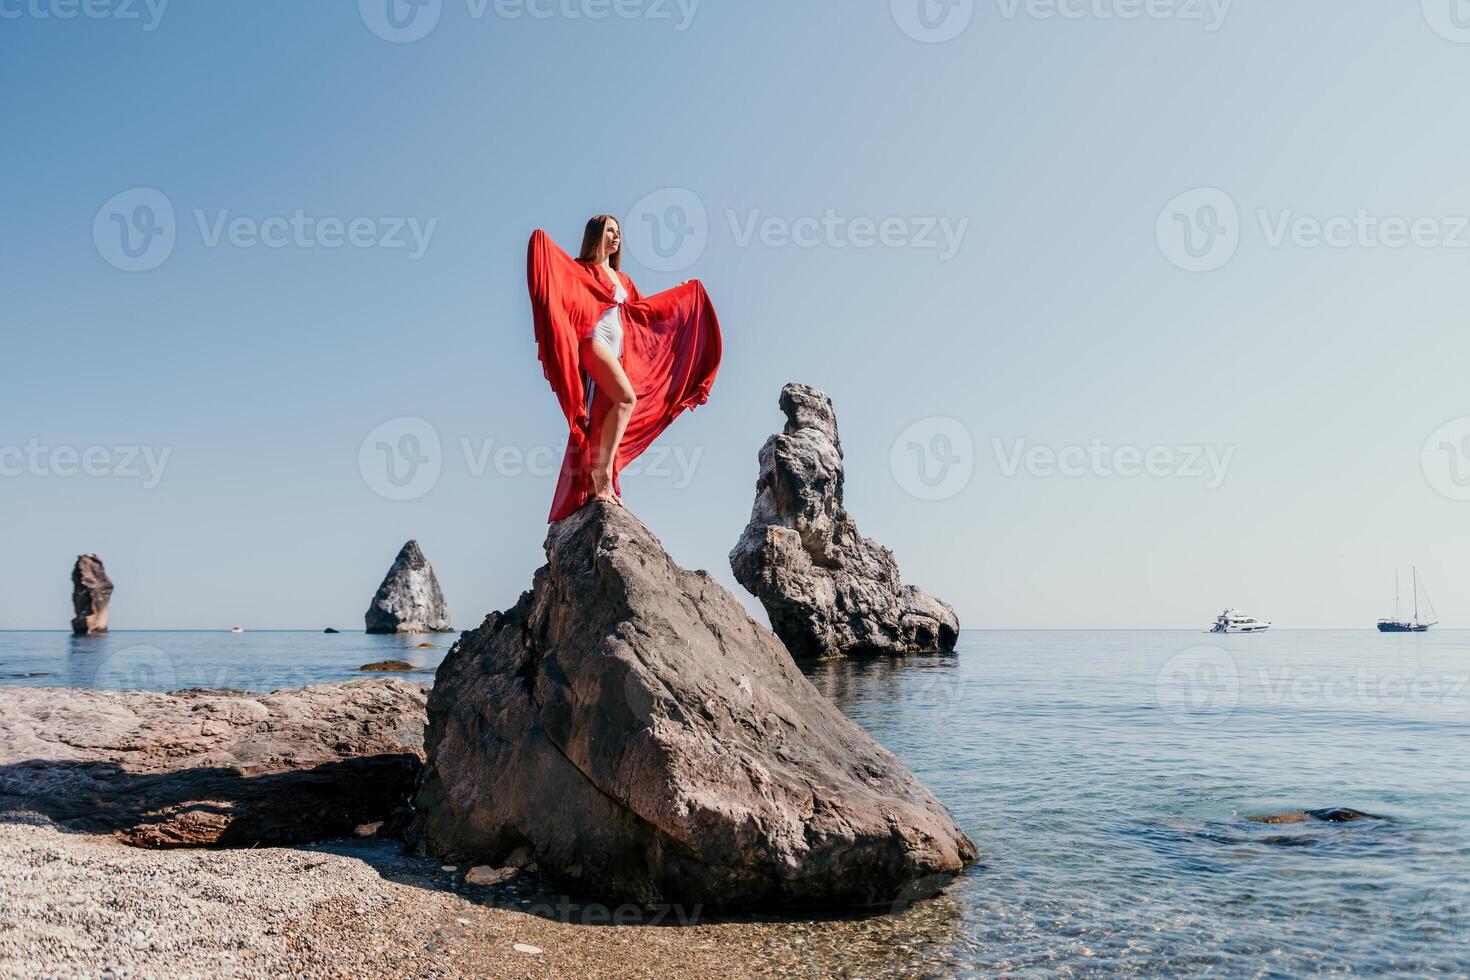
column 644, row 739
column 91, row 593
column 409, row 600
column 203, row 768
column 828, row 590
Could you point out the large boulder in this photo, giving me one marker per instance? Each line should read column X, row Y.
column 646, row 740
column 91, row 593
column 828, row 590
column 409, row 600
column 213, row 768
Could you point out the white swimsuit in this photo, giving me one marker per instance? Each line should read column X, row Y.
column 609, row 330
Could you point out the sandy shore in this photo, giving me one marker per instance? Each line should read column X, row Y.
column 75, row 905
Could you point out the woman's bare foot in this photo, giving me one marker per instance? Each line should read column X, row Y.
column 602, row 489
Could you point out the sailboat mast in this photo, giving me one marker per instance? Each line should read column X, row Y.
column 1416, row 595
column 1396, row 614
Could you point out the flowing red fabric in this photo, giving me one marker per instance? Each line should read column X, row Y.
column 671, row 352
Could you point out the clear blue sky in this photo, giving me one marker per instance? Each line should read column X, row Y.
column 1062, row 317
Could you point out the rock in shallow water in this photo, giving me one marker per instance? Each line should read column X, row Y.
column 1335, row 814
column 91, row 593
column 646, row 740
column 409, row 600
column 828, row 590
column 204, row 768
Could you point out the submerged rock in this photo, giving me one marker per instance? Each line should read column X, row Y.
column 388, row 667
column 209, row 768
column 828, row 590
column 632, row 731
column 91, row 594
column 409, row 600
column 1336, row 814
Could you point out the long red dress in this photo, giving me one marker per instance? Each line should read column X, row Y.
column 671, row 352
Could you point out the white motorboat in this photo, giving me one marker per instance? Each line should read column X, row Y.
column 1231, row 621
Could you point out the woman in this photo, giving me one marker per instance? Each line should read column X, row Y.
column 623, row 366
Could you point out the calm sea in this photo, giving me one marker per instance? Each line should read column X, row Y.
column 1106, row 776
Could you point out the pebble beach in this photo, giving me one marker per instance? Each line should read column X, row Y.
column 79, row 905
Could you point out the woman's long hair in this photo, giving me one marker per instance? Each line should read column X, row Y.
column 592, row 241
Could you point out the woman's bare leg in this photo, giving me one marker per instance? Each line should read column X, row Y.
column 615, row 393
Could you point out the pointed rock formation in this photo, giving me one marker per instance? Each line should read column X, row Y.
column 409, row 600
column 91, row 592
column 645, row 740
column 828, row 590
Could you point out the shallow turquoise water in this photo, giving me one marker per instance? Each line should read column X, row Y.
column 1106, row 777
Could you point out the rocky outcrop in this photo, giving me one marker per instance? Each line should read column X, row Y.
column 645, row 740
column 210, row 768
column 828, row 590
column 91, row 593
column 409, row 600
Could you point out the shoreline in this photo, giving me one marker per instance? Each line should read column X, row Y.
column 84, row 904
